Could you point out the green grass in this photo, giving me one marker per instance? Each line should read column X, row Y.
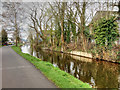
column 19, row 44
column 0, row 45
column 59, row 77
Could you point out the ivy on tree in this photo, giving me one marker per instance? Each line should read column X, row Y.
column 106, row 32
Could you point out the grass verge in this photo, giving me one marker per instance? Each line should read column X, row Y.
column 59, row 77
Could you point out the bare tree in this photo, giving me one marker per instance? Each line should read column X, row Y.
column 58, row 10
column 13, row 17
column 39, row 19
column 80, row 20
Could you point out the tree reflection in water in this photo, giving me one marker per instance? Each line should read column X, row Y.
column 99, row 74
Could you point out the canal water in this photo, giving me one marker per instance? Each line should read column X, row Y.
column 99, row 74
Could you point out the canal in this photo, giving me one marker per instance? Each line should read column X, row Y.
column 99, row 74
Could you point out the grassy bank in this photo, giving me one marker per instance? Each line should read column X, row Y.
column 59, row 77
column 0, row 46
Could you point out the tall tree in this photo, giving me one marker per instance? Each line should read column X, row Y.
column 81, row 9
column 13, row 15
column 58, row 9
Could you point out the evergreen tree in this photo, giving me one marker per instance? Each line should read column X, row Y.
column 4, row 36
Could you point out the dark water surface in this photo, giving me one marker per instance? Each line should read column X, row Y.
column 99, row 74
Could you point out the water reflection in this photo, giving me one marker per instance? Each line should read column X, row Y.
column 98, row 74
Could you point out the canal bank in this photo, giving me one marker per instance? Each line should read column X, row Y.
column 83, row 54
column 59, row 77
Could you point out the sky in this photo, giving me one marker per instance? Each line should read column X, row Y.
column 59, row 0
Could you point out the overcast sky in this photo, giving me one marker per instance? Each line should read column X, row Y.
column 59, row 0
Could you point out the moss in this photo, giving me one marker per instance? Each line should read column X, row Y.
column 59, row 77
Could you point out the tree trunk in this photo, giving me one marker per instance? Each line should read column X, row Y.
column 83, row 26
column 62, row 25
column 62, row 37
column 16, row 27
column 16, row 42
